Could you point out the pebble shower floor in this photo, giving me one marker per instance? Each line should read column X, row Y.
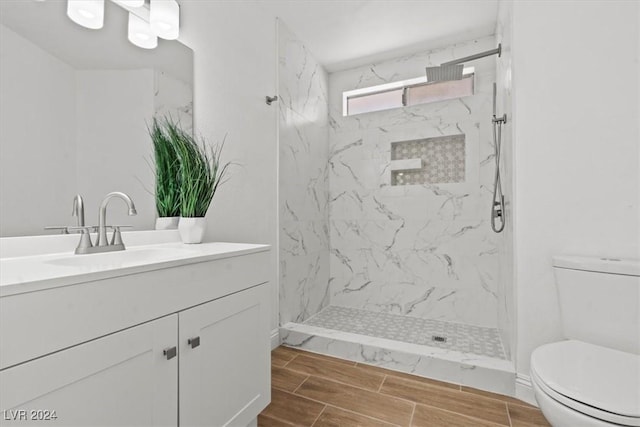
column 457, row 336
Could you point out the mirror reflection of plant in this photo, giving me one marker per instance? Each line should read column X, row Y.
column 167, row 168
column 201, row 171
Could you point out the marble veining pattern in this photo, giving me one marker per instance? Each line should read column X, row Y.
column 461, row 337
column 303, row 181
column 425, row 250
column 349, row 238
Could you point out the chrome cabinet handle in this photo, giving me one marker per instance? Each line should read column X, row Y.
column 194, row 342
column 170, row 353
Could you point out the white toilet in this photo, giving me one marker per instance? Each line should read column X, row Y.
column 592, row 378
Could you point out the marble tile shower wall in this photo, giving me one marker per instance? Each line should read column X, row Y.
column 303, row 181
column 419, row 250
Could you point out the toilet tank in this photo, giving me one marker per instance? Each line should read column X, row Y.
column 600, row 300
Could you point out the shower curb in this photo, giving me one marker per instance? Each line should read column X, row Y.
column 481, row 372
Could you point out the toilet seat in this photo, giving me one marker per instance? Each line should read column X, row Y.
column 609, row 392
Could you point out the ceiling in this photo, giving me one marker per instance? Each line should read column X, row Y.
column 348, row 33
column 341, row 34
column 45, row 23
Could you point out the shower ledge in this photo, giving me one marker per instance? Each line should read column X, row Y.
column 467, row 369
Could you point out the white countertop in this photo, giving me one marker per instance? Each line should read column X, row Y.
column 20, row 274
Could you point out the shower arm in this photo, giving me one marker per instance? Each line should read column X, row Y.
column 496, row 51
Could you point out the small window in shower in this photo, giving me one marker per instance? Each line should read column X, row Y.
column 428, row 161
column 405, row 93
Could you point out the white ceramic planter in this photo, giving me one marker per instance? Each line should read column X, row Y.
column 167, row 223
column 192, row 229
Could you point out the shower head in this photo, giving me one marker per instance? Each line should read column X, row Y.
column 452, row 70
column 444, row 73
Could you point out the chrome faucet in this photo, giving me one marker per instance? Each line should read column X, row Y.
column 78, row 210
column 85, row 246
column 102, row 218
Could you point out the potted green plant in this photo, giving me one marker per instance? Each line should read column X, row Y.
column 167, row 173
column 201, row 173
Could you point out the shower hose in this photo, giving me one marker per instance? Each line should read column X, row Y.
column 497, row 203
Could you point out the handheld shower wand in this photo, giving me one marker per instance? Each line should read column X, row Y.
column 453, row 70
column 497, row 203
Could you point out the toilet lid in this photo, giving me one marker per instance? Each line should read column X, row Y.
column 600, row 377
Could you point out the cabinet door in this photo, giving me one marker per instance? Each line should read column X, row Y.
column 120, row 379
column 225, row 373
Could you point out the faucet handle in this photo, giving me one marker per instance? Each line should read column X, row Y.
column 63, row 228
column 81, row 228
column 85, row 239
column 117, row 237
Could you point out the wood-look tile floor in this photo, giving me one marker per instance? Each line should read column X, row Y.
column 309, row 389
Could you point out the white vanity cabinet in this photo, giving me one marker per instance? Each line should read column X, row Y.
column 224, row 369
column 187, row 345
column 122, row 379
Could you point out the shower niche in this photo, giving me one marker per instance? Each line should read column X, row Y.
column 436, row 160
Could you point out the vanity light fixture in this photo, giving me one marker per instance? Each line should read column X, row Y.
column 164, row 16
column 148, row 19
column 131, row 3
column 88, row 13
column 140, row 33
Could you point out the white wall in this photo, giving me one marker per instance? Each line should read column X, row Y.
column 504, row 105
column 234, row 47
column 36, row 87
column 576, row 138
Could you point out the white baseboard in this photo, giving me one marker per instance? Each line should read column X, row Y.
column 275, row 338
column 524, row 390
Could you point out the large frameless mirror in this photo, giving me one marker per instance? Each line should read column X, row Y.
column 74, row 108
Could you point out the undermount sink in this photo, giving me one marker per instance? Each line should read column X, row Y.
column 130, row 256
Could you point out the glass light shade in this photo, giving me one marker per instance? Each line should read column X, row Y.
column 131, row 3
column 140, row 33
column 165, row 18
column 88, row 13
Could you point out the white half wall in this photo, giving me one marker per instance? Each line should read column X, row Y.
column 577, row 184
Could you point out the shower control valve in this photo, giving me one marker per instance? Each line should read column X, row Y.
column 502, row 119
column 497, row 210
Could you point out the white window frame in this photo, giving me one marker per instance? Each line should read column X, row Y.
column 387, row 87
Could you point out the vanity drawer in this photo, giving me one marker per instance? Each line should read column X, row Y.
column 37, row 323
